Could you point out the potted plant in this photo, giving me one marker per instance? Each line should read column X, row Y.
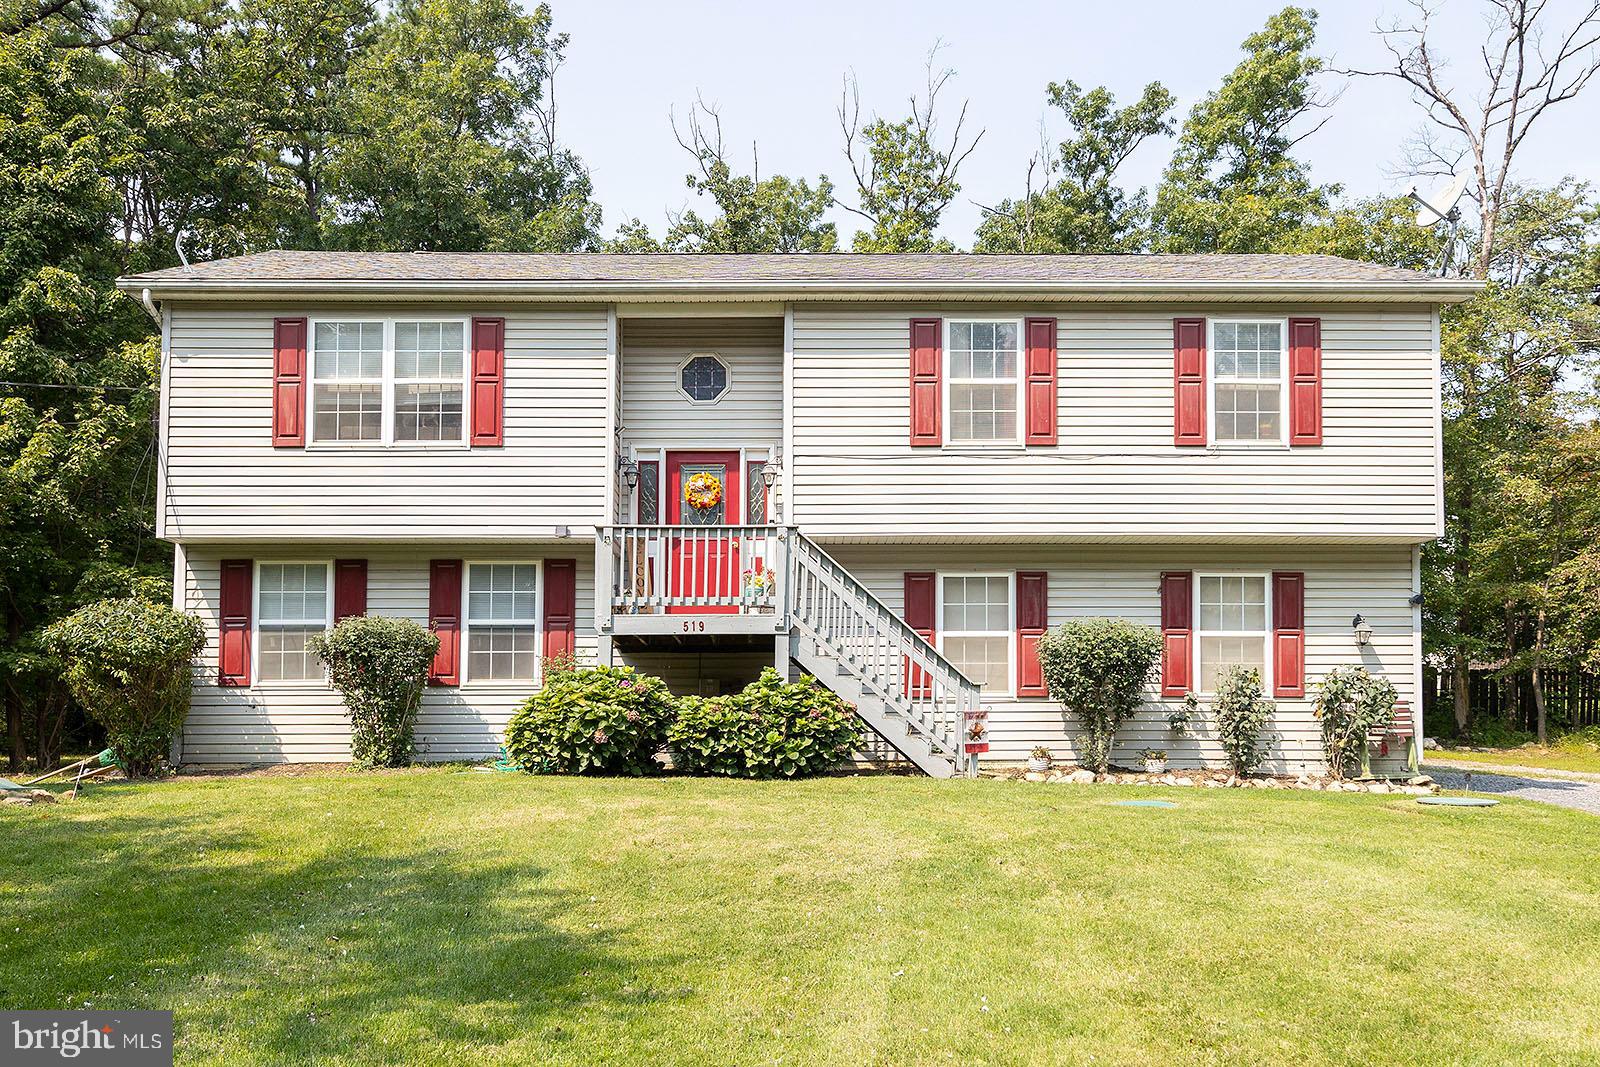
column 1039, row 759
column 1155, row 760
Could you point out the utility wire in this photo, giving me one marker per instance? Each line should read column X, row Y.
column 88, row 388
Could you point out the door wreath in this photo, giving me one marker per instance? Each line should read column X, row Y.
column 703, row 490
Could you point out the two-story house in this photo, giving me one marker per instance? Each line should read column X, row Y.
column 893, row 471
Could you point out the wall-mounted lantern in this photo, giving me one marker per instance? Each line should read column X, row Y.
column 630, row 473
column 769, row 474
column 1362, row 630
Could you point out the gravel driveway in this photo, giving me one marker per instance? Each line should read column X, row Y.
column 1581, row 796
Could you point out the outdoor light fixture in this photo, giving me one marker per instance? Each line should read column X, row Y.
column 769, row 474
column 630, row 472
column 1363, row 631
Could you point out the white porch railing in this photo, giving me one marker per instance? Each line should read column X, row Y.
column 740, row 569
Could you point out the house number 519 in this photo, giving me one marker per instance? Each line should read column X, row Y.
column 694, row 624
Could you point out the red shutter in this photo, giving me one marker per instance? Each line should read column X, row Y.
column 927, row 364
column 288, row 383
column 1305, row 381
column 488, row 381
column 1041, row 381
column 349, row 588
column 1189, row 381
column 1288, row 634
column 1033, row 612
column 233, row 623
column 919, row 615
column 1177, row 622
column 560, row 607
column 444, row 619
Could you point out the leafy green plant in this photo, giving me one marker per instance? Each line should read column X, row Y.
column 1179, row 721
column 128, row 662
column 1097, row 669
column 591, row 720
column 1350, row 702
column 1241, row 711
column 379, row 666
column 1154, row 755
column 771, row 729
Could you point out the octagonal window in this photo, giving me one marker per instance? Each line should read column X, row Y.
column 703, row 379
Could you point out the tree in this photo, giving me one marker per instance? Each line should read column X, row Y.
column 1085, row 210
column 1233, row 184
column 77, row 409
column 754, row 214
column 905, row 174
column 1522, row 80
column 447, row 147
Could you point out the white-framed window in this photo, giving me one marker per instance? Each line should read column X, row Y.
column 983, row 382
column 388, row 381
column 704, row 378
column 976, row 627
column 1233, row 625
column 1249, row 358
column 293, row 601
column 502, row 622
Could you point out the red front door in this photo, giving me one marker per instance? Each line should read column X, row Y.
column 703, row 566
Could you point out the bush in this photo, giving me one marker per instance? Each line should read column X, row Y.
column 1241, row 711
column 591, row 720
column 1097, row 669
column 1350, row 702
column 771, row 729
column 379, row 666
column 128, row 662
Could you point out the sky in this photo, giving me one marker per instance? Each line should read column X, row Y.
column 775, row 72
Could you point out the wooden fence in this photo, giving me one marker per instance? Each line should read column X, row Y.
column 1572, row 698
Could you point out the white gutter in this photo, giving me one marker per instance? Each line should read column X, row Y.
column 144, row 298
column 1441, row 290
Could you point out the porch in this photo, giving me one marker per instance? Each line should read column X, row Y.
column 692, row 585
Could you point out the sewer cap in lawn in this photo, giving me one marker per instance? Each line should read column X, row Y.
column 1458, row 802
column 1144, row 803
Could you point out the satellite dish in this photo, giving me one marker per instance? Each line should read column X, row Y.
column 1441, row 206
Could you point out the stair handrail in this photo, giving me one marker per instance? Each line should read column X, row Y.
column 944, row 731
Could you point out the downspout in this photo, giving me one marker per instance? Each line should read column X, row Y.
column 150, row 307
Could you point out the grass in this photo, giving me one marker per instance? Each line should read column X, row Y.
column 440, row 917
column 1546, row 757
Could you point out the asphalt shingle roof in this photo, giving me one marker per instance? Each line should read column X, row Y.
column 668, row 269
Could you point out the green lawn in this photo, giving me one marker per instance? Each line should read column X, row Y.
column 438, row 916
column 1574, row 758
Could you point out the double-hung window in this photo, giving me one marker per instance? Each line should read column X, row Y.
column 983, row 387
column 292, row 604
column 502, row 621
column 975, row 627
column 1247, row 391
column 1233, row 626
column 391, row 381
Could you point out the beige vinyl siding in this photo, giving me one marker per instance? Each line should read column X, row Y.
column 306, row 722
column 655, row 414
column 1121, row 582
column 225, row 480
column 1116, row 473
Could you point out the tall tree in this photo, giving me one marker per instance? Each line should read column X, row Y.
column 1234, row 184
column 905, row 172
column 447, row 148
column 754, row 214
column 1085, row 209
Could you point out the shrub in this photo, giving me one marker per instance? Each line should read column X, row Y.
column 128, row 662
column 591, row 720
column 1241, row 711
column 1097, row 669
column 1350, row 702
column 771, row 729
column 379, row 666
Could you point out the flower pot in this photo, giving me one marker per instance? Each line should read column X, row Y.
column 1038, row 766
column 1155, row 766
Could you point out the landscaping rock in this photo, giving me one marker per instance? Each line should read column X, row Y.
column 1082, row 776
column 1378, row 787
column 18, row 801
column 1183, row 781
column 1421, row 779
column 1036, row 776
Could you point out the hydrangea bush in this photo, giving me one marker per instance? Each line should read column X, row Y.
column 591, row 720
column 771, row 729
